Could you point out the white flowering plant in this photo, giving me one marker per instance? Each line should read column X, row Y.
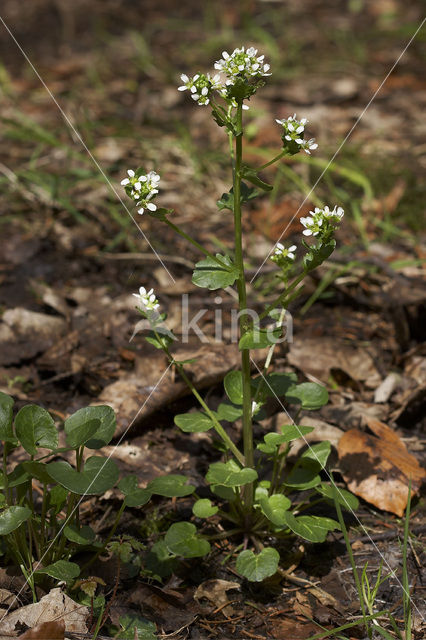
column 252, row 490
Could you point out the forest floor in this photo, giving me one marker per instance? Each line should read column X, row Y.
column 71, row 256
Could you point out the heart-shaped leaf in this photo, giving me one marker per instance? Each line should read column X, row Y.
column 99, row 475
column 273, row 384
column 6, row 415
column 273, row 440
column 133, row 626
column 233, row 383
column 182, row 539
column 170, row 486
column 196, row 422
column 134, row 496
column 80, row 427
column 274, row 508
column 208, row 273
column 80, row 535
column 61, row 570
column 311, row 395
column 258, row 567
column 12, row 518
column 229, row 474
column 204, row 508
column 344, row 497
column 35, row 428
column 259, row 338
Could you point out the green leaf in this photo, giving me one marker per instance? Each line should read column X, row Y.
column 99, row 475
column 204, row 508
column 80, row 535
column 159, row 561
column 6, row 415
column 274, row 508
column 35, row 428
column 259, row 338
column 227, row 199
column 273, row 384
column 318, row 453
column 252, row 176
column 303, row 477
column 128, row 484
column 318, row 253
column 274, row 440
column 57, row 498
column 80, row 427
column 61, row 570
column 134, row 496
column 210, row 274
column 196, row 422
column 229, row 474
column 12, row 518
column 228, row 412
column 182, row 539
column 344, row 497
column 133, row 626
column 311, row 395
column 36, row 470
column 159, row 214
column 226, row 493
column 170, row 486
column 233, row 383
column 258, row 567
column 312, row 528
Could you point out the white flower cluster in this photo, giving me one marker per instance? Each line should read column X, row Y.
column 200, row 86
column 242, row 64
column 293, row 134
column 147, row 299
column 321, row 221
column 281, row 252
column 142, row 188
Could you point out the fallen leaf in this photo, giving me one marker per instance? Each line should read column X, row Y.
column 54, row 630
column 55, row 606
column 378, row 467
column 215, row 591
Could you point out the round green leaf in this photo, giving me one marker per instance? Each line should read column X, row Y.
column 195, row 422
column 82, row 421
column 204, row 508
column 317, row 453
column 61, row 570
column 273, row 440
column 312, row 396
column 303, row 477
column 274, row 508
column 274, row 384
column 137, row 498
column 133, row 626
column 170, row 486
column 35, row 428
column 344, row 497
column 210, row 274
column 12, row 518
column 258, row 567
column 182, row 539
column 233, row 383
column 6, row 415
column 259, row 338
column 128, row 484
column 99, row 475
column 80, row 535
column 306, row 527
column 228, row 412
column 229, row 474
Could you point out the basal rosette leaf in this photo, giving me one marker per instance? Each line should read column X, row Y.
column 170, row 486
column 182, row 539
column 99, row 475
column 92, row 426
column 12, row 518
column 257, row 567
column 229, row 474
column 35, row 428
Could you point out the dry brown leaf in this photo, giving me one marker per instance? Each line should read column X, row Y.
column 215, row 591
column 378, row 467
column 55, row 606
column 54, row 630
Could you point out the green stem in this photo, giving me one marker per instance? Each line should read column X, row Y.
column 244, row 319
column 283, row 298
column 196, row 244
column 274, row 159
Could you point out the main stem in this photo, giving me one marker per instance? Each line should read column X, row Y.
column 244, row 318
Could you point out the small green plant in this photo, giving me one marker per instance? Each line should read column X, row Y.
column 41, row 536
column 253, row 509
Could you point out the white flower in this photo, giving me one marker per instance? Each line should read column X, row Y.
column 243, row 64
column 282, row 255
column 293, row 133
column 322, row 221
column 200, row 86
column 147, row 299
column 142, row 188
